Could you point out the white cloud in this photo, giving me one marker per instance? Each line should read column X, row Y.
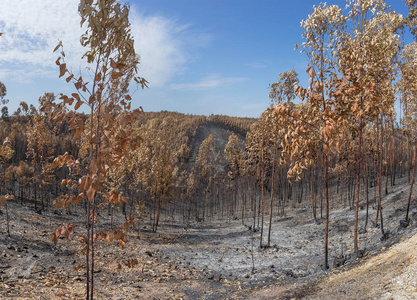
column 32, row 29
column 26, row 74
column 208, row 82
column 157, row 41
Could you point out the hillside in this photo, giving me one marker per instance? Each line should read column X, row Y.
column 388, row 275
column 221, row 134
column 198, row 128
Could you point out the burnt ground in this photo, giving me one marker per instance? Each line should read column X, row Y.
column 215, row 260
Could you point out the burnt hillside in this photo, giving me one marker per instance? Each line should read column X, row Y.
column 221, row 134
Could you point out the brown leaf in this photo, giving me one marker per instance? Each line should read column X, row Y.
column 98, row 76
column 129, row 223
column 54, row 237
column 79, row 267
column 69, row 78
column 62, row 70
column 115, row 75
column 57, row 46
column 65, row 232
column 76, row 96
column 69, row 100
column 78, row 132
column 71, row 227
column 78, row 84
column 85, row 182
column 113, row 64
column 78, row 199
column 78, row 105
column 110, row 237
column 90, row 193
column 96, row 140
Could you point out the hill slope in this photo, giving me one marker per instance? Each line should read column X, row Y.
column 389, row 275
column 221, row 137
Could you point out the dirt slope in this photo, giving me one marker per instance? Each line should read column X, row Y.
column 389, row 275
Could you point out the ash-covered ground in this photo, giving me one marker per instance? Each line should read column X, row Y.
column 213, row 260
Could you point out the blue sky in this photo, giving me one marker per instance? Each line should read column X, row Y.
column 199, row 56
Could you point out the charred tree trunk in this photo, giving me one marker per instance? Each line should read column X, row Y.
column 272, row 195
column 412, row 184
column 313, row 196
column 326, row 237
column 393, row 166
column 379, row 171
column 262, row 196
column 358, row 172
column 367, row 194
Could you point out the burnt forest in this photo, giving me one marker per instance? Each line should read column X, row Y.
column 314, row 199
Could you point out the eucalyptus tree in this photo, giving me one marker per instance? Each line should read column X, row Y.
column 3, row 100
column 408, row 87
column 320, row 33
column 284, row 89
column 276, row 129
column 6, row 154
column 236, row 164
column 205, row 169
column 112, row 63
column 41, row 135
column 261, row 146
column 367, row 51
column 411, row 19
column 159, row 159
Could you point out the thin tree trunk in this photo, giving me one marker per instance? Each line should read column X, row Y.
column 321, row 190
column 243, row 205
column 254, row 206
column 393, row 169
column 157, row 215
column 313, row 196
column 408, row 158
column 412, row 184
column 262, row 197
column 283, row 183
column 35, row 194
column 379, row 171
column 7, row 219
column 326, row 238
column 367, row 194
column 272, row 195
column 358, row 172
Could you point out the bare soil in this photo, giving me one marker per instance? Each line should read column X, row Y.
column 216, row 260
